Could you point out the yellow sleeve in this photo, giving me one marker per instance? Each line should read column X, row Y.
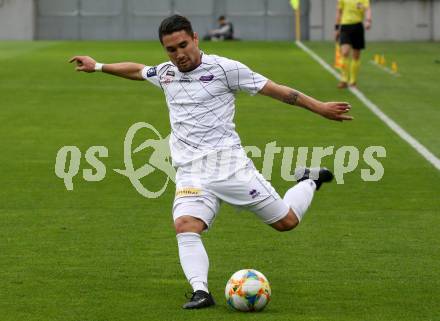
column 341, row 4
column 367, row 3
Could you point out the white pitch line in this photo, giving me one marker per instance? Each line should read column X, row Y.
column 414, row 143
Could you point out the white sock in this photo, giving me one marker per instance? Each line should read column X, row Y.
column 299, row 197
column 194, row 260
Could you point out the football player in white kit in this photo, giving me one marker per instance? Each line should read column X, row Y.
column 205, row 148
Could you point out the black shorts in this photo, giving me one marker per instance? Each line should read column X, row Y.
column 353, row 35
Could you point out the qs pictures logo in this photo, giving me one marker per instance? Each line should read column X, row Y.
column 155, row 157
column 68, row 161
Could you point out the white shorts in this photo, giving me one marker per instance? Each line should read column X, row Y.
column 201, row 188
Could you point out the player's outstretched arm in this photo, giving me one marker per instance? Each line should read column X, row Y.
column 129, row 70
column 331, row 110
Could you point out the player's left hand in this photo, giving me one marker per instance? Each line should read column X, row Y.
column 335, row 111
column 368, row 24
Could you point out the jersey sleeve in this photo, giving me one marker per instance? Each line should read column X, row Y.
column 341, row 4
column 151, row 74
column 240, row 78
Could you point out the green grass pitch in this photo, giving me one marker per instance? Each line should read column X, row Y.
column 365, row 251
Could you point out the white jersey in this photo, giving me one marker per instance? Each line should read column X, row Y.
column 201, row 104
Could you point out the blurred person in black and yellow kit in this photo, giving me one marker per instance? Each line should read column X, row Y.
column 351, row 17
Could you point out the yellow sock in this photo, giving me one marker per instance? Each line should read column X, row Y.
column 345, row 69
column 354, row 70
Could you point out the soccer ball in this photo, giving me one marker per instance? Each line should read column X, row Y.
column 247, row 290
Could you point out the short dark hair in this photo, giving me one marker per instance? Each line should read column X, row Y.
column 221, row 18
column 175, row 23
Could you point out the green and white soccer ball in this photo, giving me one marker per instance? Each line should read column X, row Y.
column 247, row 290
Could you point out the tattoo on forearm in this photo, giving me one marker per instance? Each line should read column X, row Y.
column 292, row 98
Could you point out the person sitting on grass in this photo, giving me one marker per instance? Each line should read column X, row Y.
column 225, row 31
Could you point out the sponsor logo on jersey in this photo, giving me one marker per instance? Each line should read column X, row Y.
column 254, row 193
column 166, row 79
column 185, row 79
column 151, row 72
column 206, row 78
column 188, row 191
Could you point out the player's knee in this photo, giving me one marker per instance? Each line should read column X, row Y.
column 186, row 223
column 287, row 223
column 345, row 51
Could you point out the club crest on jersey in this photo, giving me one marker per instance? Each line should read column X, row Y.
column 151, row 72
column 206, row 78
